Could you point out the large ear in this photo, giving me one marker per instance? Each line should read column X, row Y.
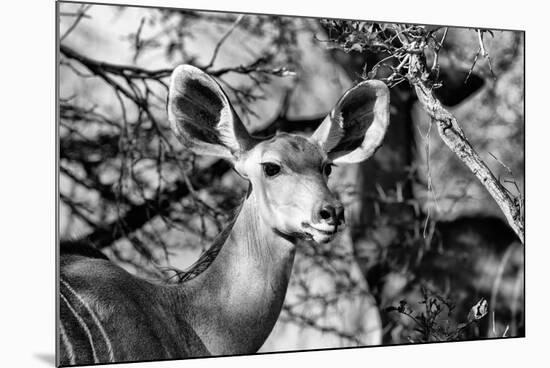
column 202, row 117
column 356, row 126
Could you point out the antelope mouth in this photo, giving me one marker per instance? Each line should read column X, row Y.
column 320, row 234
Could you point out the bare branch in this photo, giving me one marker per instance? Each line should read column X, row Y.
column 137, row 216
column 222, row 40
column 451, row 133
column 81, row 13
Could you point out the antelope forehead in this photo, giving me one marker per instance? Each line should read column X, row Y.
column 293, row 151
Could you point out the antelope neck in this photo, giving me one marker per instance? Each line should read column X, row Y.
column 235, row 302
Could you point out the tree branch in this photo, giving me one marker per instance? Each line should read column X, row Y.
column 222, row 40
column 451, row 133
column 138, row 215
column 134, row 72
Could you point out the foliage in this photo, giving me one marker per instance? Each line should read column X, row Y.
column 431, row 324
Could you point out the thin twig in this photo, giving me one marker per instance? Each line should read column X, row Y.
column 484, row 52
column 222, row 40
column 79, row 15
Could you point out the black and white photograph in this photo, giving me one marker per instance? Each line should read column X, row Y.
column 234, row 183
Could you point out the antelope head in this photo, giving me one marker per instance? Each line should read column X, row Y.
column 287, row 172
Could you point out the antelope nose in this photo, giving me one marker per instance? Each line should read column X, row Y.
column 331, row 214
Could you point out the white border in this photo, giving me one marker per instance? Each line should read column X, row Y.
column 27, row 185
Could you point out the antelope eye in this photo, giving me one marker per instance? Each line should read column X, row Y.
column 327, row 169
column 271, row 169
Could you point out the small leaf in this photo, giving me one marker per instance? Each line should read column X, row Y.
column 479, row 310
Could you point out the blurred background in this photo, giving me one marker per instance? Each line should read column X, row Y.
column 425, row 242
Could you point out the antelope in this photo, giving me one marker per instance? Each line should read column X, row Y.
column 230, row 306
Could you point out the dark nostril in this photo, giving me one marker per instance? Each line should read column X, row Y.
column 328, row 214
column 331, row 213
column 325, row 214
